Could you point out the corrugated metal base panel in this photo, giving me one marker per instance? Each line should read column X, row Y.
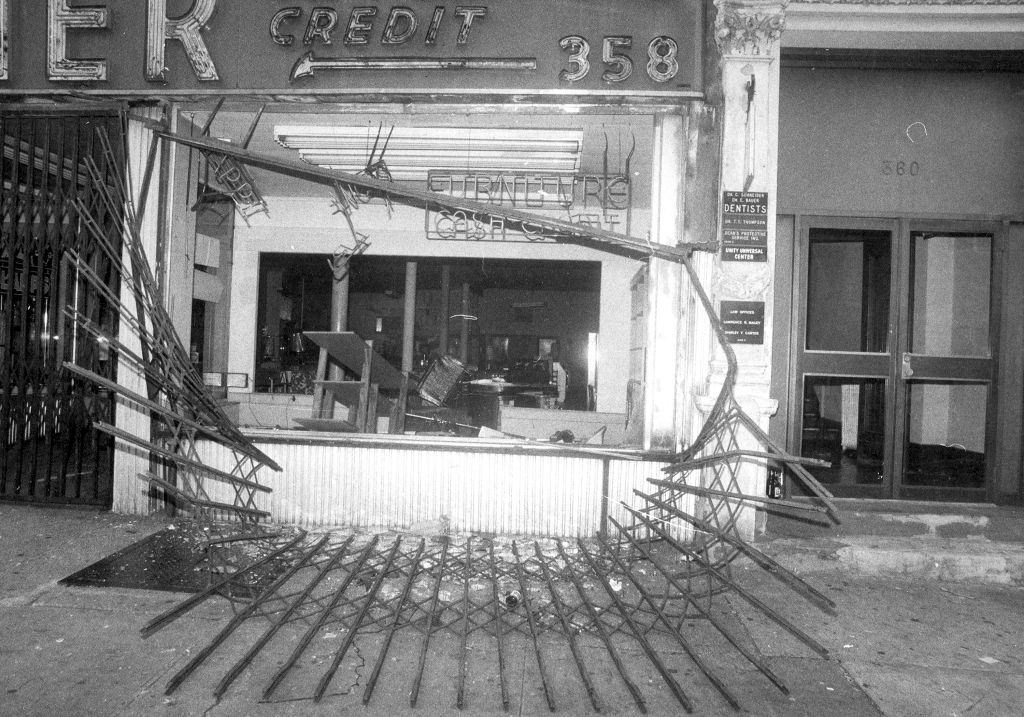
column 405, row 488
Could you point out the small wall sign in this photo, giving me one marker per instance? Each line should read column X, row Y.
column 745, row 226
column 743, row 321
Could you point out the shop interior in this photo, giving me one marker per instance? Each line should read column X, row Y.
column 512, row 323
column 530, row 321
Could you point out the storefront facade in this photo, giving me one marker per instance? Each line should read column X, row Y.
column 681, row 124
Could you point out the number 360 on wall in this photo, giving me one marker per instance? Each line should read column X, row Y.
column 662, row 64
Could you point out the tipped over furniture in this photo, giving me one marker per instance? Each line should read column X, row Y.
column 376, row 388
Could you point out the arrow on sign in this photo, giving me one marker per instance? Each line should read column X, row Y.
column 308, row 64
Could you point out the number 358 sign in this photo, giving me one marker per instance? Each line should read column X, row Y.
column 651, row 47
column 662, row 58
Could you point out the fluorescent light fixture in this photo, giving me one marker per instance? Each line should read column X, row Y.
column 414, row 151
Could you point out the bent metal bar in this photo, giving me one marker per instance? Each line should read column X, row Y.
column 601, row 48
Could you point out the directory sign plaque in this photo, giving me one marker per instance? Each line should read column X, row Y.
column 743, row 321
column 745, row 226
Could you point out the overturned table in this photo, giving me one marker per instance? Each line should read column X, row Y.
column 379, row 389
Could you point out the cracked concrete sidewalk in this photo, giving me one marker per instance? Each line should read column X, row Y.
column 902, row 644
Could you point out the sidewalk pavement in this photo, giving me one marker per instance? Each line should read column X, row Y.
column 969, row 559
column 907, row 640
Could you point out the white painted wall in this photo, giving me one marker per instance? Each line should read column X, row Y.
column 130, row 494
column 179, row 223
column 308, row 225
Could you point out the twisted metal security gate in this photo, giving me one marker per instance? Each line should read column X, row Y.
column 366, row 611
column 179, row 406
column 49, row 450
column 643, row 590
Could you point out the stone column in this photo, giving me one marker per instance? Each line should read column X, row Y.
column 130, row 495
column 747, row 34
column 663, row 424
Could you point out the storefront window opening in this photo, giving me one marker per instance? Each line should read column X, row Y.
column 605, row 186
column 522, row 330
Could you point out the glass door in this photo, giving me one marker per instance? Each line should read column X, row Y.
column 844, row 358
column 893, row 345
column 944, row 386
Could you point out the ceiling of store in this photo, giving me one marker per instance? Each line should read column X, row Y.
column 607, row 140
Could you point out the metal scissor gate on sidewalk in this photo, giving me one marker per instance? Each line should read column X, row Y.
column 660, row 585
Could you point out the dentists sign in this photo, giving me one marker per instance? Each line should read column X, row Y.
column 641, row 48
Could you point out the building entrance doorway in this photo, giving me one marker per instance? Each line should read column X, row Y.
column 893, row 381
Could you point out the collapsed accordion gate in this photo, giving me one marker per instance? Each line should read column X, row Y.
column 641, row 592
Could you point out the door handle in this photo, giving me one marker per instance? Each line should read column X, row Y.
column 906, row 369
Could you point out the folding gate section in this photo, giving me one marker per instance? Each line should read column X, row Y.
column 49, row 450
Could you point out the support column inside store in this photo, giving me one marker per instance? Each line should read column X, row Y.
column 409, row 317
column 339, row 314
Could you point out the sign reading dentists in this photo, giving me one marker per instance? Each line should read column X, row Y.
column 745, row 226
column 646, row 48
